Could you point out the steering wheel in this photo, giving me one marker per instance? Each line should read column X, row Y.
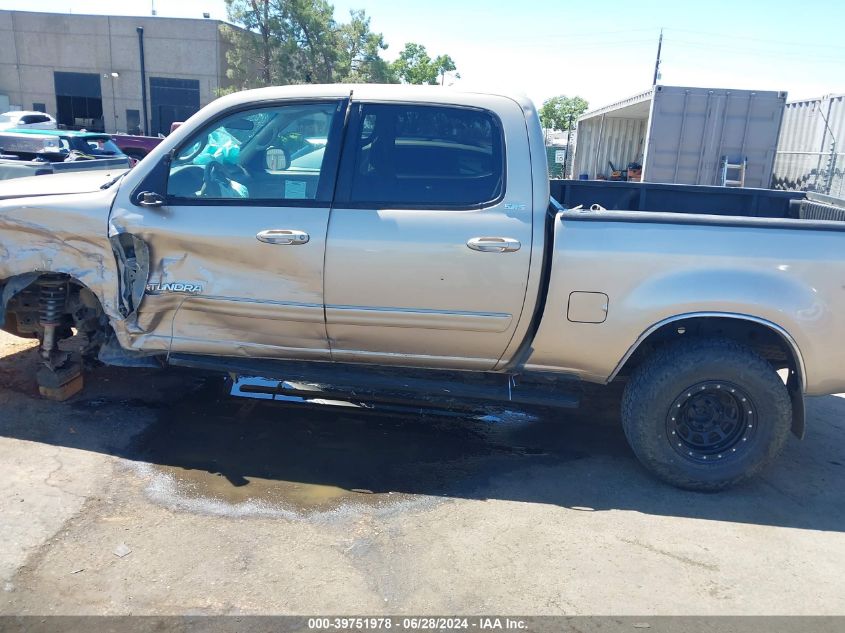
column 190, row 152
column 214, row 176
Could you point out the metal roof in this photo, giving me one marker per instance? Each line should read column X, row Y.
column 619, row 105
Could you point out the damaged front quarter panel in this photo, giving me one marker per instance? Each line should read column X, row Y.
column 133, row 262
column 59, row 234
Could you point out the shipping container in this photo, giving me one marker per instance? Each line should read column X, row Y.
column 682, row 135
column 811, row 149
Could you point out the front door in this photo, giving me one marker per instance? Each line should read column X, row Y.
column 429, row 242
column 237, row 250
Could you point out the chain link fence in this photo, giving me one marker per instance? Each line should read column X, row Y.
column 810, row 171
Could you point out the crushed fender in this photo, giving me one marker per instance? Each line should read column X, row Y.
column 133, row 263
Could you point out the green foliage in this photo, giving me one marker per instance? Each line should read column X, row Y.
column 556, row 112
column 415, row 66
column 359, row 59
column 298, row 41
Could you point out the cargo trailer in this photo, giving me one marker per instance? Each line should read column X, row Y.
column 683, row 135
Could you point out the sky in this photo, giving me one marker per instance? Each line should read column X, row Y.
column 602, row 51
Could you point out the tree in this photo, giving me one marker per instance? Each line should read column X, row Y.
column 557, row 112
column 281, row 42
column 309, row 40
column 253, row 48
column 359, row 59
column 415, row 66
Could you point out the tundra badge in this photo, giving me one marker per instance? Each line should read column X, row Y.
column 155, row 288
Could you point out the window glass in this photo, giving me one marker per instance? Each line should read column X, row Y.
column 409, row 155
column 29, row 119
column 263, row 154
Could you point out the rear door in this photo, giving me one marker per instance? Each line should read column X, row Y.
column 429, row 240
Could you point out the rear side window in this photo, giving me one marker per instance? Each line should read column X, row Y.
column 419, row 155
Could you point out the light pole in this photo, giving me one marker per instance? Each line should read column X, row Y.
column 113, row 75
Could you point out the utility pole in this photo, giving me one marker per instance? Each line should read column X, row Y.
column 568, row 142
column 657, row 61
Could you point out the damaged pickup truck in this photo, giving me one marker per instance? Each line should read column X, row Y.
column 395, row 243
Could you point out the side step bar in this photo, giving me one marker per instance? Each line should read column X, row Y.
column 364, row 383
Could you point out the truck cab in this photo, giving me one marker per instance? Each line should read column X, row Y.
column 354, row 225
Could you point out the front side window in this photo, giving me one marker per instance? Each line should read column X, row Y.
column 274, row 154
column 412, row 155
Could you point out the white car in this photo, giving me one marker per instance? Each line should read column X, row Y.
column 27, row 119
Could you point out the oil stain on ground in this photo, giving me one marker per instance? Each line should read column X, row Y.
column 212, row 452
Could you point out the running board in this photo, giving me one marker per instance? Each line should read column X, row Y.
column 398, row 385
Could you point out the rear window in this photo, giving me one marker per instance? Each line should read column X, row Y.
column 29, row 119
column 417, row 155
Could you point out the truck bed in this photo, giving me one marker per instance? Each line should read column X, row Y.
column 697, row 199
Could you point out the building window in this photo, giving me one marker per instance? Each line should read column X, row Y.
column 79, row 102
column 172, row 101
column 39, row 107
column 133, row 121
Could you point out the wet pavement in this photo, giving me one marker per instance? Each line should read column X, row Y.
column 226, row 505
column 211, row 451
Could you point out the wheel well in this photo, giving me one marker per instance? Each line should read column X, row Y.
column 20, row 307
column 766, row 339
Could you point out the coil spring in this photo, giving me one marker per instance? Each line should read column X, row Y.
column 51, row 301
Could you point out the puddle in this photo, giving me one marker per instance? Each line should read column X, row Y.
column 214, row 453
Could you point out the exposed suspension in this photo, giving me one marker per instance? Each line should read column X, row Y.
column 52, row 298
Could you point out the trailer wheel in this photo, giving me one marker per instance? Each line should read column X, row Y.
column 705, row 414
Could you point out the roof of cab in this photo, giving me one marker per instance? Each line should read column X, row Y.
column 391, row 92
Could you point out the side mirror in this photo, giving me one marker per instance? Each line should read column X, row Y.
column 276, row 159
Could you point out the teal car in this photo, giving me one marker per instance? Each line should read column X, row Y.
column 57, row 145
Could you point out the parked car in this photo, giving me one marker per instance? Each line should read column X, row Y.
column 24, row 119
column 57, row 145
column 136, row 146
column 26, row 153
column 419, row 259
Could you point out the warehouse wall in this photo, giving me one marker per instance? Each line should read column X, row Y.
column 37, row 44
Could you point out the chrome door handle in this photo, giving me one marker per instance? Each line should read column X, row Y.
column 283, row 236
column 494, row 244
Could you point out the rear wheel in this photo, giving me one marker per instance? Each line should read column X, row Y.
column 705, row 414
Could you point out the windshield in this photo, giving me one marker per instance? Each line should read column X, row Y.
column 101, row 147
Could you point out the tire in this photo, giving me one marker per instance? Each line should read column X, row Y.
column 706, row 414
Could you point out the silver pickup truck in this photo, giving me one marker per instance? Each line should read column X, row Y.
column 395, row 243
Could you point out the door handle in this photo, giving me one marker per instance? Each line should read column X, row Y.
column 282, row 236
column 494, row 244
